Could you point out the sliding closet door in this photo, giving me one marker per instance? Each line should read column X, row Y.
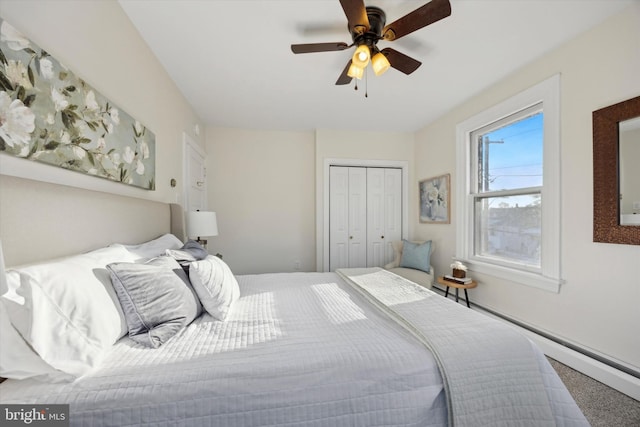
column 347, row 217
column 384, row 214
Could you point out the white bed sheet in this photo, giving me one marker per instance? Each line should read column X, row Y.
column 297, row 349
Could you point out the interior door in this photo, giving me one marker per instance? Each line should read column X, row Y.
column 365, row 215
column 338, row 217
column 347, row 217
column 384, row 214
column 375, row 217
column 357, row 217
column 195, row 189
column 392, row 212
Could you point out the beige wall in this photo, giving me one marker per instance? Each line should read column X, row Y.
column 96, row 40
column 597, row 307
column 264, row 187
column 261, row 185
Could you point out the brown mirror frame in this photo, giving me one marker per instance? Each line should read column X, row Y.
column 606, row 183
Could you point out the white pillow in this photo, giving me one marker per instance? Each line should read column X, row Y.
column 215, row 285
column 153, row 248
column 18, row 360
column 67, row 310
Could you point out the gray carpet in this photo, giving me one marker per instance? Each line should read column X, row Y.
column 602, row 405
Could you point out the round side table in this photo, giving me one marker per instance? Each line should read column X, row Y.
column 457, row 286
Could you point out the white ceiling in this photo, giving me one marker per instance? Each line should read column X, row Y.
column 232, row 60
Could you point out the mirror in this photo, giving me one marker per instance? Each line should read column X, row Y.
column 615, row 179
column 629, row 131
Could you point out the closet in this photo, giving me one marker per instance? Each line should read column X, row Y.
column 365, row 215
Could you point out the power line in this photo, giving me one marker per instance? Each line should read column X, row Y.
column 517, row 166
column 498, row 176
column 521, row 133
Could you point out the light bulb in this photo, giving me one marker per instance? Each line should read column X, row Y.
column 361, row 56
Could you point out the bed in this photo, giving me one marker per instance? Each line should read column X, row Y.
column 357, row 347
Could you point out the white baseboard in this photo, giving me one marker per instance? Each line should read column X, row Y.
column 599, row 371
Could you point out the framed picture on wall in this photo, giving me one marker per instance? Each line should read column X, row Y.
column 434, row 200
column 51, row 115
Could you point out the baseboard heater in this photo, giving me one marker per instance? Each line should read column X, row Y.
column 555, row 339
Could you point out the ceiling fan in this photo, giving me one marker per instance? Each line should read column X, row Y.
column 367, row 27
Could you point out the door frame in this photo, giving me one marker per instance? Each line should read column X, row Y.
column 188, row 142
column 322, row 209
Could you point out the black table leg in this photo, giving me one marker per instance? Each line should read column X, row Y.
column 446, row 294
column 457, row 294
column 467, row 298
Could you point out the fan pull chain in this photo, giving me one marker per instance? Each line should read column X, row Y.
column 356, row 86
column 366, row 83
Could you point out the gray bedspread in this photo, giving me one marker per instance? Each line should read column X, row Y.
column 493, row 376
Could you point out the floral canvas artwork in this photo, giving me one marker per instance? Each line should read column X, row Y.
column 50, row 115
column 434, row 200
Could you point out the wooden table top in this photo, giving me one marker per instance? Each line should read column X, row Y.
column 446, row 282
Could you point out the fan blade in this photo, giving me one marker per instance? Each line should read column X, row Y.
column 400, row 61
column 419, row 18
column 318, row 47
column 356, row 15
column 344, row 79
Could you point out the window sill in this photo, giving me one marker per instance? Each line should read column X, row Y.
column 520, row 277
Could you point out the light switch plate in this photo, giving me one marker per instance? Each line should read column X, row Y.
column 636, row 205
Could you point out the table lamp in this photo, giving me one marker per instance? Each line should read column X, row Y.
column 201, row 223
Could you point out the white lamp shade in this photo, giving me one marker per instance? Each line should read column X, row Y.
column 201, row 224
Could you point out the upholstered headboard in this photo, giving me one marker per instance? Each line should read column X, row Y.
column 40, row 221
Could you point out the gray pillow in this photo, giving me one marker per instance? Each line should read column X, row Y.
column 156, row 297
column 191, row 251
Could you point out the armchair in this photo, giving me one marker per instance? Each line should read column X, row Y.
column 420, row 276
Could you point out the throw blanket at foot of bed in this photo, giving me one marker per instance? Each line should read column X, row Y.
column 491, row 373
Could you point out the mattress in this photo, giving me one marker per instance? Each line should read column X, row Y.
column 301, row 349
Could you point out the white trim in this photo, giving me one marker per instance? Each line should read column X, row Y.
column 528, row 278
column 612, row 377
column 43, row 172
column 322, row 216
column 547, row 93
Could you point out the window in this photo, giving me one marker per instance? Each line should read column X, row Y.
column 508, row 188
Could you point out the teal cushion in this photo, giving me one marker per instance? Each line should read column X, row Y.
column 416, row 256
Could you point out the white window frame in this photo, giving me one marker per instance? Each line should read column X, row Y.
column 548, row 277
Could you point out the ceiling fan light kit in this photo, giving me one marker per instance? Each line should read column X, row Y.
column 361, row 56
column 367, row 26
column 380, row 64
column 355, row 72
